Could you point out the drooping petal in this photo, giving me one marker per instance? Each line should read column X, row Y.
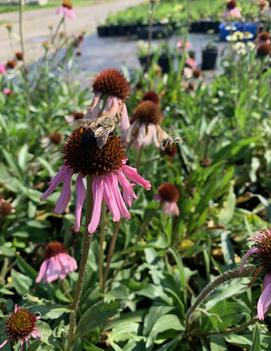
column 59, row 177
column 97, row 193
column 250, row 252
column 132, row 174
column 42, row 271
column 52, row 270
column 265, row 298
column 124, row 120
column 171, row 208
column 110, row 198
column 80, row 198
column 116, row 193
column 128, row 193
column 65, row 195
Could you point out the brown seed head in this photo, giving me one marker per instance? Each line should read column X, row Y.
column 111, row 82
column 262, row 241
column 55, row 138
column 67, row 4
column 197, row 73
column 20, row 324
column 151, row 96
column 11, row 64
column 19, row 56
column 148, row 112
column 264, row 36
column 231, row 4
column 54, row 248
column 82, row 154
column 264, row 50
column 169, row 192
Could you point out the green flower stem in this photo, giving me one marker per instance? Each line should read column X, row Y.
column 82, row 268
column 101, row 247
column 111, row 251
column 235, row 273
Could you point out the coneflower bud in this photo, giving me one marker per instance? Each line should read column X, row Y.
column 11, row 64
column 147, row 112
column 19, row 56
column 55, row 138
column 111, row 82
column 151, row 96
column 231, row 4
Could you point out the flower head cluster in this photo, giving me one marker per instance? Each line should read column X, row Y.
column 168, row 195
column 261, row 251
column 94, row 150
column 20, row 326
column 66, row 10
column 57, row 264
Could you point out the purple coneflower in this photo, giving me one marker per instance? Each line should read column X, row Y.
column 66, row 10
column 232, row 10
column 262, row 250
column 57, row 264
column 20, row 327
column 110, row 84
column 168, row 195
column 107, row 167
column 145, row 128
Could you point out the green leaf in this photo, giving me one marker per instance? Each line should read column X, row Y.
column 22, row 157
column 256, row 341
column 25, row 267
column 97, row 316
column 20, row 282
column 217, row 343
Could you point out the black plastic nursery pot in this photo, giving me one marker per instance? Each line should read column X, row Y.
column 144, row 62
column 103, row 31
column 164, row 63
column 158, row 31
column 209, row 58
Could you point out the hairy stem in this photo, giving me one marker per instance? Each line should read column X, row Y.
column 82, row 268
column 101, row 247
column 111, row 251
column 235, row 273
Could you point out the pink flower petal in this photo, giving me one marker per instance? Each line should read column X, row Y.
column 128, row 193
column 3, row 343
column 42, row 271
column 116, row 192
column 65, row 195
column 132, row 174
column 250, row 252
column 94, row 108
column 124, row 120
column 171, row 208
column 59, row 177
column 97, row 192
column 265, row 298
column 80, row 198
column 110, row 198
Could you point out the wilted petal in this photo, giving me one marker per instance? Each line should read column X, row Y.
column 42, row 271
column 116, row 193
column 3, row 343
column 110, row 198
column 171, row 208
column 128, row 193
